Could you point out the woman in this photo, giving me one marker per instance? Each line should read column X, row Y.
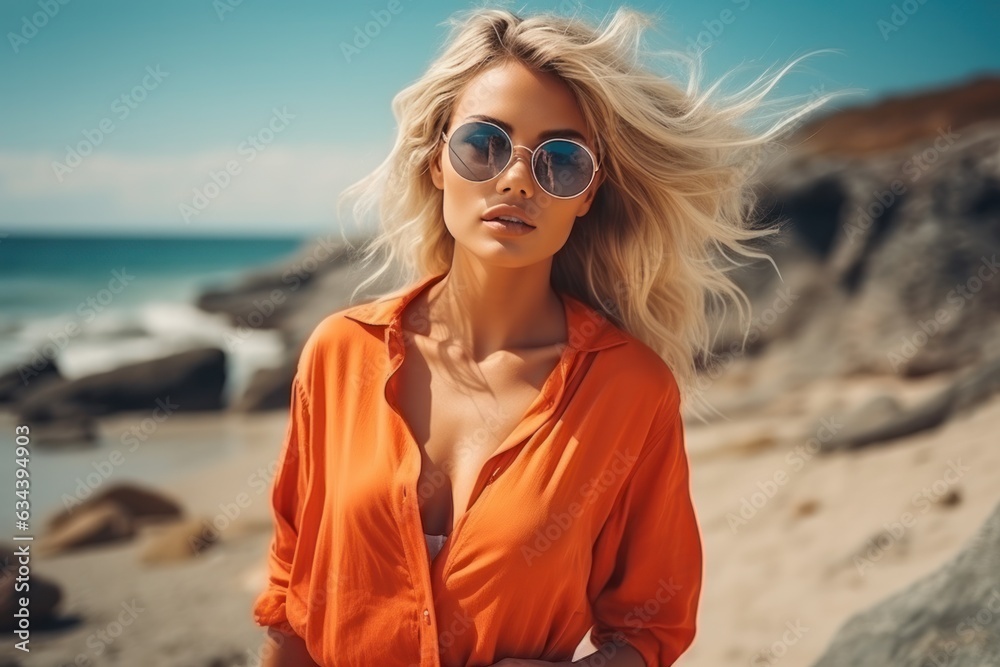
column 488, row 466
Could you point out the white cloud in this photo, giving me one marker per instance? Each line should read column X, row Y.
column 282, row 188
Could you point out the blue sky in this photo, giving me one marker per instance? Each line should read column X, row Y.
column 201, row 76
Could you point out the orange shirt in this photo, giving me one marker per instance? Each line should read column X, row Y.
column 582, row 517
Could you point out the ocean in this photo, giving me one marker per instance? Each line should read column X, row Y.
column 93, row 303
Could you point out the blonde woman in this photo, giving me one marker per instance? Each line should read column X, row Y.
column 488, row 466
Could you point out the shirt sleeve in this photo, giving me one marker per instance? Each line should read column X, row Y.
column 287, row 494
column 647, row 567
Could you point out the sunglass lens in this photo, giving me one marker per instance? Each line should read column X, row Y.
column 563, row 168
column 479, row 151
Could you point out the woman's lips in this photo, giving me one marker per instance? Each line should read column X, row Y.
column 508, row 226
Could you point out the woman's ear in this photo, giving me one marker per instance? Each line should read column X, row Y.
column 599, row 179
column 588, row 199
column 435, row 166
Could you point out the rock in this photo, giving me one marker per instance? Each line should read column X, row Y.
column 888, row 262
column 950, row 498
column 806, row 508
column 293, row 297
column 265, row 298
column 24, row 377
column 914, row 299
column 45, row 595
column 951, row 617
column 138, row 502
column 68, row 430
column 116, row 514
column 899, row 120
column 106, row 522
column 178, row 541
column 975, row 387
column 780, row 306
column 234, row 658
column 859, row 423
column 190, row 380
column 880, row 424
column 269, row 388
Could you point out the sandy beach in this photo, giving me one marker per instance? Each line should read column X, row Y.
column 791, row 537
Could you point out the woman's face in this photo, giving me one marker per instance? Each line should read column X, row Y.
column 531, row 104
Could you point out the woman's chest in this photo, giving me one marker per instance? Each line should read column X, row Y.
column 458, row 415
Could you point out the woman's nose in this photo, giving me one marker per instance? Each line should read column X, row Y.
column 518, row 173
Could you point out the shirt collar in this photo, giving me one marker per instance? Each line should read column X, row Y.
column 588, row 329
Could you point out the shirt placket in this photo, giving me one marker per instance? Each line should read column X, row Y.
column 409, row 518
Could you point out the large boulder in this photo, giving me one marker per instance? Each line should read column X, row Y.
column 269, row 388
column 316, row 281
column 951, row 617
column 190, row 380
column 178, row 541
column 293, row 297
column 24, row 377
column 888, row 261
column 114, row 514
column 883, row 269
column 883, row 420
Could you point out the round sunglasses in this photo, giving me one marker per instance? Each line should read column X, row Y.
column 480, row 151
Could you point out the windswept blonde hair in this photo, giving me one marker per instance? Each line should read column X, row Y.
column 654, row 251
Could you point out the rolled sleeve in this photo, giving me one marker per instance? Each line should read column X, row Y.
column 647, row 567
column 287, row 494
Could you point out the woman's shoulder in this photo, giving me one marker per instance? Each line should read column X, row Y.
column 624, row 361
column 638, row 367
column 334, row 336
